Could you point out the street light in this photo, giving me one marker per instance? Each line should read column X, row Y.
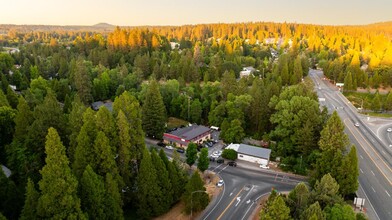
column 197, row 191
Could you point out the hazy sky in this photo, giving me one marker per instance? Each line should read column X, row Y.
column 178, row 12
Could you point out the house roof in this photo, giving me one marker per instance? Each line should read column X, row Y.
column 99, row 104
column 190, row 132
column 6, row 171
column 251, row 150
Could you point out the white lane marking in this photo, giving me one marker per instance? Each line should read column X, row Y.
column 361, row 170
column 232, row 192
column 247, row 211
column 387, row 193
column 238, row 200
column 373, row 189
column 247, row 202
column 224, row 188
column 217, row 167
column 361, row 157
column 372, row 173
column 223, row 169
column 369, row 201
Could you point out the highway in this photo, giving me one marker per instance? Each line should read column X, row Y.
column 374, row 155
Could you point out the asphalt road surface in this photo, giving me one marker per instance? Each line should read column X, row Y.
column 374, row 155
column 244, row 186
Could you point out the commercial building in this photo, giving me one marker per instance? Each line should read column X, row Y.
column 183, row 136
column 251, row 153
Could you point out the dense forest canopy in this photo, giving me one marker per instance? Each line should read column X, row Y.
column 249, row 79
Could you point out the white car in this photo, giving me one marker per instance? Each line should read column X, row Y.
column 264, row 166
column 357, row 124
column 169, row 147
column 389, row 130
column 220, row 183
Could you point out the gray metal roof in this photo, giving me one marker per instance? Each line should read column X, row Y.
column 254, row 151
column 6, row 171
column 190, row 132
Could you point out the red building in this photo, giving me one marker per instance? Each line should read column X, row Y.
column 183, row 136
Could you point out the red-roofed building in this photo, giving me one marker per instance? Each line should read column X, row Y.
column 183, row 136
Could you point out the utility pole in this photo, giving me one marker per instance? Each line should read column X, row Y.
column 189, row 100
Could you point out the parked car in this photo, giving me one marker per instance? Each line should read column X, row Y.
column 220, row 160
column 161, row 144
column 232, row 163
column 389, row 130
column 212, row 158
column 220, row 183
column 169, row 147
column 181, row 150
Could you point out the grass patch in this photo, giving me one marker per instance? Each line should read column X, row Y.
column 356, row 99
column 382, row 115
column 175, row 122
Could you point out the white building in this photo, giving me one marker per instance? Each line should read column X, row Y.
column 251, row 154
column 247, row 71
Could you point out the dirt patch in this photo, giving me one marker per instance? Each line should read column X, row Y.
column 260, row 205
column 177, row 212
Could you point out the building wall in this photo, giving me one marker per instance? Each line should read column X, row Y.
column 201, row 139
column 252, row 159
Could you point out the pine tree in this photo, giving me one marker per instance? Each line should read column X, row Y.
column 29, row 211
column 298, row 70
column 333, row 142
column 103, row 158
column 348, row 173
column 92, row 194
column 203, row 162
column 191, row 154
column 326, row 191
column 48, row 114
column 313, row 210
column 388, row 102
column 376, row 103
column 75, row 125
column 198, row 200
column 164, row 183
column 85, row 140
column 276, row 210
column 124, row 149
column 176, row 181
column 23, row 119
column 348, row 82
column 131, row 109
column 82, row 81
column 148, row 189
column 12, row 98
column 113, row 203
column 154, row 112
column 298, row 199
column 106, row 123
column 58, row 186
column 196, row 111
column 3, row 99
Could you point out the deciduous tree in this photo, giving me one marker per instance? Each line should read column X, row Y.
column 203, row 162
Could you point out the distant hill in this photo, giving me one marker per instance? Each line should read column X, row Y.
column 104, row 25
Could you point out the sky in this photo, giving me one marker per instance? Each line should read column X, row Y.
column 180, row 12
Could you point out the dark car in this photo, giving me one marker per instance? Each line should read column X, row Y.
column 232, row 163
column 161, row 144
column 220, row 160
column 181, row 150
